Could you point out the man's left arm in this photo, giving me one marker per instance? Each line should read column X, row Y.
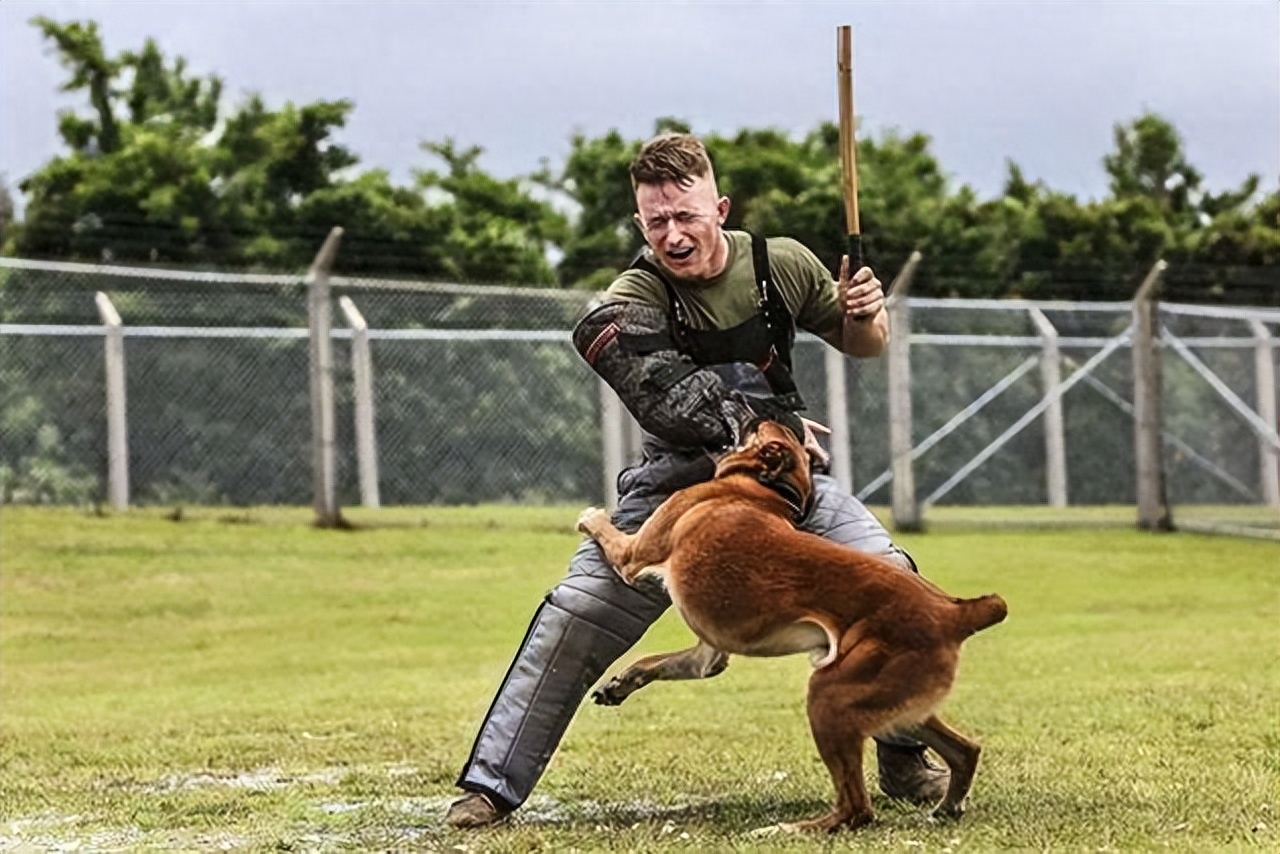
column 847, row 313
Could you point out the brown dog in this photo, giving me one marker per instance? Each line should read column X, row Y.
column 884, row 642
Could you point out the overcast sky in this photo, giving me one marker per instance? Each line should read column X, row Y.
column 1041, row 83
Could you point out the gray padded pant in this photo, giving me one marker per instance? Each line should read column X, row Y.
column 585, row 624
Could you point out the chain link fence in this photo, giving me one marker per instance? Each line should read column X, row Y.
column 479, row 396
column 979, row 363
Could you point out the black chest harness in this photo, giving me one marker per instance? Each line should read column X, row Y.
column 765, row 339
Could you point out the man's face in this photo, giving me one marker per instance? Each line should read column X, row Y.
column 681, row 223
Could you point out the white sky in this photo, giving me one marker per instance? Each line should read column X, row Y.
column 1041, row 83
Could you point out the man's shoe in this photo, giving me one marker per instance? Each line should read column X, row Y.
column 907, row 774
column 474, row 810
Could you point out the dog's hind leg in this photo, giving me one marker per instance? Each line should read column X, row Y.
column 840, row 735
column 961, row 756
column 696, row 662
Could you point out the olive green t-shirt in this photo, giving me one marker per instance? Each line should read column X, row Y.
column 733, row 296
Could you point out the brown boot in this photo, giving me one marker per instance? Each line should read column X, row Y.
column 907, row 774
column 474, row 810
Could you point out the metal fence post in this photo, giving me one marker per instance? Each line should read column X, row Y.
column 117, row 420
column 906, row 510
column 1055, row 446
column 613, row 443
column 838, row 418
column 323, row 438
column 1264, row 368
column 362, row 379
column 1153, row 504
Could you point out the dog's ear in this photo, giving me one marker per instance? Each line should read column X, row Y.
column 777, row 458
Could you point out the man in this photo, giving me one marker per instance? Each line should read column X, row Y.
column 695, row 338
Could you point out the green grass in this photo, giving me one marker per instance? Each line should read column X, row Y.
column 239, row 679
column 1251, row 519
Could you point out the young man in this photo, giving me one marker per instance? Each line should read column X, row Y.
column 695, row 338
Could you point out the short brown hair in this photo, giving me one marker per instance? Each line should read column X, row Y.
column 678, row 158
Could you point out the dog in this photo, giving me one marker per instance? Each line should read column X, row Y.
column 884, row 642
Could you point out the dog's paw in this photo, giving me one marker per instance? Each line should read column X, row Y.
column 604, row 696
column 617, row 689
column 589, row 520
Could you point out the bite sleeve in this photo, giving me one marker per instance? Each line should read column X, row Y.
column 630, row 346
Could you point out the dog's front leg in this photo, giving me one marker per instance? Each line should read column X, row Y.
column 631, row 554
column 617, row 546
column 696, row 662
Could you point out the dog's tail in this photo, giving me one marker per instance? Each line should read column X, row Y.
column 981, row 613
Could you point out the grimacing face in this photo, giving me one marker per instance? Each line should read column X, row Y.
column 681, row 223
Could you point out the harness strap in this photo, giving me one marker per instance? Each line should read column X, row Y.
column 679, row 320
column 772, row 307
column 781, row 326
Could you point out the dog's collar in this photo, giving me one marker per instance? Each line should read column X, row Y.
column 797, row 502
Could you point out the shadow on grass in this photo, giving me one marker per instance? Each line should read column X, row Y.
column 731, row 814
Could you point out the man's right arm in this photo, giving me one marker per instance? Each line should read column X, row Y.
column 629, row 345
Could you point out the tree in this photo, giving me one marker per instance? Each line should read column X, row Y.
column 159, row 169
column 265, row 164
column 499, row 231
column 1149, row 162
column 81, row 52
column 129, row 170
column 6, row 208
column 162, row 170
column 600, row 239
column 388, row 230
column 1157, row 208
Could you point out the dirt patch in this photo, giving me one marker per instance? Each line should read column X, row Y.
column 415, row 822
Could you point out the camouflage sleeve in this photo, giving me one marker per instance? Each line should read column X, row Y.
column 629, row 345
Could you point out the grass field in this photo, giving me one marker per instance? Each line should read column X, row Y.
column 237, row 680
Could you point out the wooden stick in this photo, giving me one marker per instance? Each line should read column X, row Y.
column 848, row 137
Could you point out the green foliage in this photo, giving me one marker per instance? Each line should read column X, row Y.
column 1031, row 241
column 1157, row 208
column 6, row 207
column 394, row 233
column 51, row 421
column 497, row 231
column 162, row 171
column 601, row 240
column 159, row 169
column 81, row 52
column 41, row 475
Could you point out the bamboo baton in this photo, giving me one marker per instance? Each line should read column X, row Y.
column 848, row 146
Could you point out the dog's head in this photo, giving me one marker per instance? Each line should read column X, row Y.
column 775, row 456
